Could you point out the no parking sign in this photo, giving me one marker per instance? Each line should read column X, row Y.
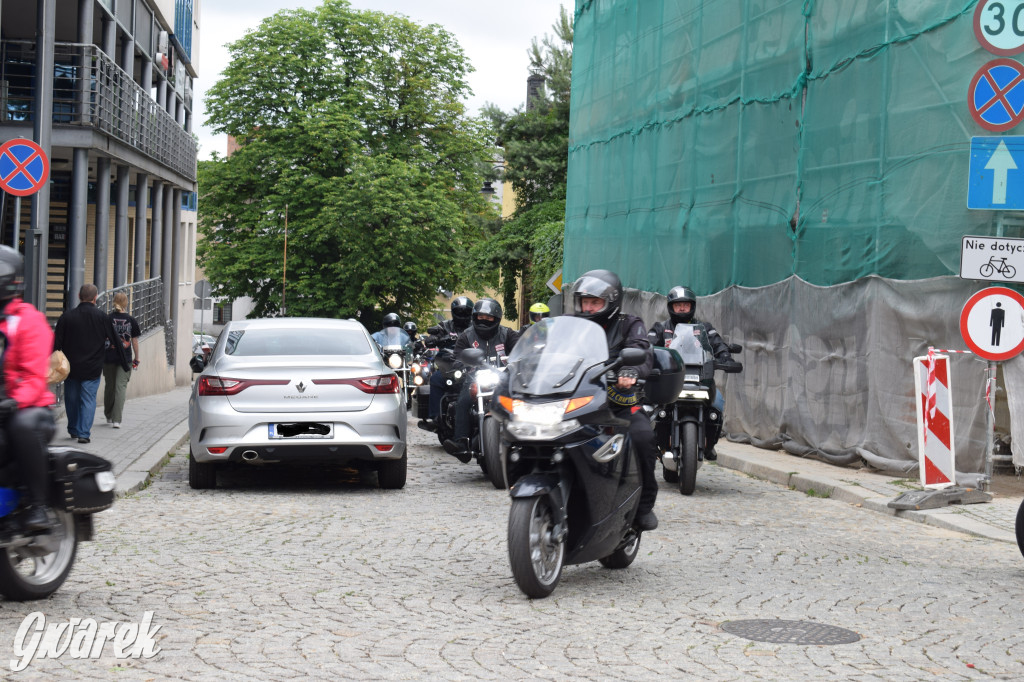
column 24, row 167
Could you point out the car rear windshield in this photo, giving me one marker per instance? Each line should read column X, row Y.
column 293, row 341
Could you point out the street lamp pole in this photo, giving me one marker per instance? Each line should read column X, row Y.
column 284, row 276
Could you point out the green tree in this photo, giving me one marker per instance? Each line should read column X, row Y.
column 353, row 136
column 535, row 142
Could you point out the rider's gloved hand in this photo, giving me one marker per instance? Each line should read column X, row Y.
column 8, row 406
column 627, row 376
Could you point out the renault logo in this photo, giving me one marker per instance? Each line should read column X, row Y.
column 301, row 387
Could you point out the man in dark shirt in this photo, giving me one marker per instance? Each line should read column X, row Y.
column 83, row 334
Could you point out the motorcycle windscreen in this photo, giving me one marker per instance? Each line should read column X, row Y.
column 692, row 343
column 554, row 354
column 394, row 338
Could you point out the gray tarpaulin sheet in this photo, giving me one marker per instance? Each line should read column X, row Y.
column 828, row 371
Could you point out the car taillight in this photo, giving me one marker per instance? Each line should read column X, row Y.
column 212, row 385
column 385, row 383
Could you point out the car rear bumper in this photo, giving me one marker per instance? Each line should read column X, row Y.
column 375, row 434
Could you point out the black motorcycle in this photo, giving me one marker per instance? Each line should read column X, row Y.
column 574, row 473
column 398, row 356
column 485, row 441
column 34, row 564
column 679, row 419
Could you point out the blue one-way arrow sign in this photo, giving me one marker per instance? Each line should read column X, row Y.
column 996, row 179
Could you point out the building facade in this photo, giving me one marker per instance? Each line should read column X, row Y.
column 105, row 88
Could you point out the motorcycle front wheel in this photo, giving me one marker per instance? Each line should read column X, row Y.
column 24, row 576
column 535, row 555
column 490, row 443
column 1019, row 528
column 688, row 458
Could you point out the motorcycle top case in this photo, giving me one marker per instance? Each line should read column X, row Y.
column 83, row 483
column 667, row 379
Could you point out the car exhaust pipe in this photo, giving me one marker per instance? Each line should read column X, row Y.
column 250, row 455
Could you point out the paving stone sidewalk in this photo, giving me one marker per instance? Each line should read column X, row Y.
column 156, row 425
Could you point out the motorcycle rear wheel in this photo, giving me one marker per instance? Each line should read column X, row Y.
column 1019, row 528
column 490, row 443
column 24, row 577
column 624, row 556
column 536, row 558
column 688, row 458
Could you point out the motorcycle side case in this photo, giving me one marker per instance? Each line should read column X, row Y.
column 76, row 487
column 664, row 385
column 421, row 401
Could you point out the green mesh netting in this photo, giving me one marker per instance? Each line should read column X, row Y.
column 744, row 141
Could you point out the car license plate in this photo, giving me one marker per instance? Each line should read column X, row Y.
column 297, row 430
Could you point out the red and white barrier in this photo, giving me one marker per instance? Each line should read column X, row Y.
column 935, row 420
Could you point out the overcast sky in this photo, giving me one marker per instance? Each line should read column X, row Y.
column 495, row 37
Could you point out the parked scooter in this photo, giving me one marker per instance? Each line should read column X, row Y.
column 574, row 473
column 681, row 419
column 34, row 564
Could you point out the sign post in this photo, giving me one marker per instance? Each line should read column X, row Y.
column 992, row 324
column 203, row 290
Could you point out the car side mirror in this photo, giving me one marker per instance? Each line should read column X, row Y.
column 197, row 363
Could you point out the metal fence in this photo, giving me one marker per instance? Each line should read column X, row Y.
column 90, row 89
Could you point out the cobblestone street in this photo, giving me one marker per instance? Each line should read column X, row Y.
column 302, row 575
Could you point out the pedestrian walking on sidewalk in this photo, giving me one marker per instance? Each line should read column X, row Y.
column 83, row 334
column 116, row 370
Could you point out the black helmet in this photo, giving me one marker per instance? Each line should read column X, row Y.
column 12, row 273
column 603, row 284
column 681, row 294
column 410, row 328
column 391, row 320
column 462, row 313
column 485, row 329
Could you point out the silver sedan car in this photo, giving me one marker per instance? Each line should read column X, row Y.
column 296, row 390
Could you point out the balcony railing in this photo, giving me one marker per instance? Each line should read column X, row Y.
column 90, row 90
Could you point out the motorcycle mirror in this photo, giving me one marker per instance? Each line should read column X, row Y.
column 197, row 363
column 472, row 357
column 632, row 357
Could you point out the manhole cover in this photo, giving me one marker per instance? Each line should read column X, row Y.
column 790, row 632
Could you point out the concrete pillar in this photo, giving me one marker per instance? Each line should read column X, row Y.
column 157, row 238
column 110, row 37
column 128, row 57
column 147, row 76
column 38, row 238
column 166, row 263
column 176, row 256
column 141, row 226
column 121, row 229
column 85, row 29
column 78, row 225
column 100, row 253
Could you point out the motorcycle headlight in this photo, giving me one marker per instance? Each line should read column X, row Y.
column 418, row 380
column 458, row 374
column 533, row 431
column 415, row 368
column 394, row 361
column 486, row 379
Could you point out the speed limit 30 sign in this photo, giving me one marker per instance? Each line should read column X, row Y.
column 999, row 26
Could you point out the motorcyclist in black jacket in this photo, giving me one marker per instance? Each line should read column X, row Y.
column 444, row 335
column 496, row 341
column 597, row 296
column 682, row 305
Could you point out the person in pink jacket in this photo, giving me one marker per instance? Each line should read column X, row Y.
column 27, row 343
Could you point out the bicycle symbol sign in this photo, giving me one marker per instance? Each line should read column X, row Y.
column 992, row 259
